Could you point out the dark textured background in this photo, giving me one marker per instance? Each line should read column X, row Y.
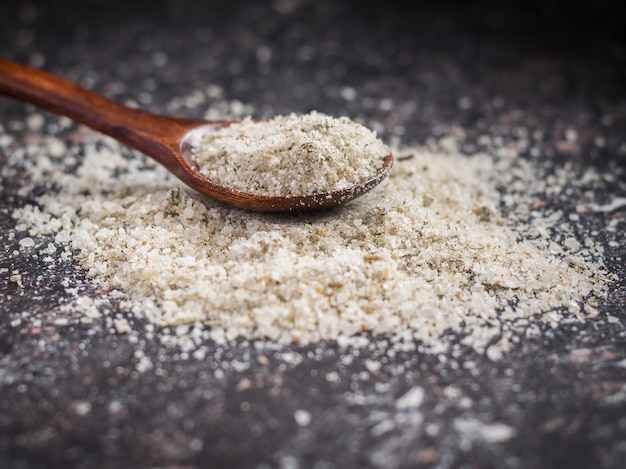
column 537, row 65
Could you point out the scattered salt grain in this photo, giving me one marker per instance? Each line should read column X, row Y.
column 572, row 243
column 348, row 93
column 122, row 326
column 82, row 408
column 115, row 407
column 56, row 148
column 16, row 278
column 472, row 430
column 302, row 417
column 373, row 365
column 385, row 426
column 616, row 204
column 35, row 122
column 412, row 399
column 27, row 242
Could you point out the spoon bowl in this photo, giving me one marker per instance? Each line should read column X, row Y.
column 165, row 139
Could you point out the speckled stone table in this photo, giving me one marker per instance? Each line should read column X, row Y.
column 75, row 396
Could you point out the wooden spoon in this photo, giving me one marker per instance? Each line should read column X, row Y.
column 163, row 138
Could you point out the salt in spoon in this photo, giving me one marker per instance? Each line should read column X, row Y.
column 163, row 138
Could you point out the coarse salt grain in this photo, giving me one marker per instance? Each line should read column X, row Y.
column 302, row 417
column 27, row 242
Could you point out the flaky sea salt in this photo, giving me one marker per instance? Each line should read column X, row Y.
column 289, row 155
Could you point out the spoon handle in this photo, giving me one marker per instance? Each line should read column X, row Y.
column 149, row 133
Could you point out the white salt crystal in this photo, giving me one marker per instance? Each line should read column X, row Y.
column 302, row 417
column 27, row 242
column 412, row 399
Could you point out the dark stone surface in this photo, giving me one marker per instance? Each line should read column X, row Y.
column 72, row 396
